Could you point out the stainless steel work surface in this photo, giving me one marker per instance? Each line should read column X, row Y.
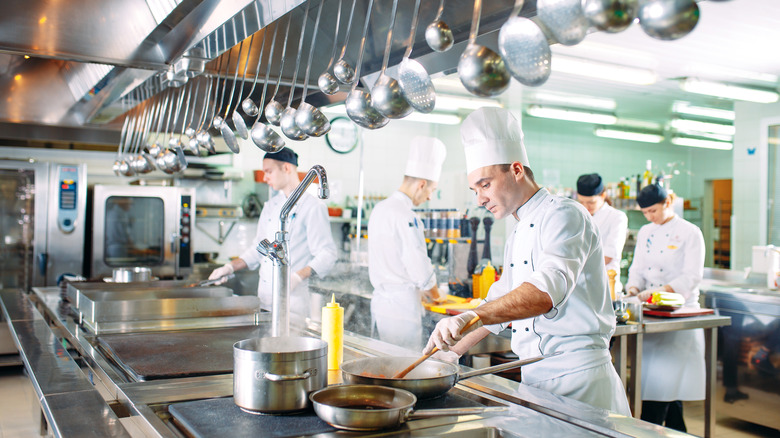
column 149, row 356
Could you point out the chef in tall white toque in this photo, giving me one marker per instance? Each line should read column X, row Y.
column 553, row 289
column 398, row 264
column 611, row 222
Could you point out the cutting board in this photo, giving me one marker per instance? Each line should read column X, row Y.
column 679, row 313
column 453, row 305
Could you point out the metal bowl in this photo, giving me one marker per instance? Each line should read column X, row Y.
column 129, row 275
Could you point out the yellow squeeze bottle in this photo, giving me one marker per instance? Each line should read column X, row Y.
column 333, row 332
column 486, row 280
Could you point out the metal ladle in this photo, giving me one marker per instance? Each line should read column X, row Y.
column 610, row 15
column 125, row 166
column 358, row 103
column 159, row 159
column 274, row 109
column 143, row 163
column 344, row 72
column 175, row 141
column 168, row 160
column 224, row 129
column 248, row 105
column 387, row 96
column 217, row 122
column 524, row 48
column 262, row 135
column 155, row 148
column 481, row 70
column 204, row 138
column 307, row 117
column 189, row 130
column 122, row 136
column 564, row 19
column 438, row 35
column 326, row 82
column 668, row 19
column 416, row 84
column 238, row 121
column 287, row 122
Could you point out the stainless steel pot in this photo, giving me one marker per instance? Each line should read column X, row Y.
column 276, row 375
column 129, row 275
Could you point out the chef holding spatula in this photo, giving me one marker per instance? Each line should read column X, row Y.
column 553, row 289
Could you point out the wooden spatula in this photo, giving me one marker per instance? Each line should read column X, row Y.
column 408, row 369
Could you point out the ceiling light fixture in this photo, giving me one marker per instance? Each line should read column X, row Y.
column 456, row 103
column 707, row 135
column 570, row 115
column 619, row 134
column 697, row 126
column 701, row 143
column 576, row 100
column 603, row 71
column 681, row 107
column 736, row 92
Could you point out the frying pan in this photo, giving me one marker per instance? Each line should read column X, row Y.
column 369, row 407
column 430, row 379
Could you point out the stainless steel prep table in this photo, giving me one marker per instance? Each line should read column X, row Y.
column 144, row 404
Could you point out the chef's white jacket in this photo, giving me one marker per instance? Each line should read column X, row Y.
column 613, row 226
column 556, row 248
column 310, row 244
column 399, row 270
column 672, row 362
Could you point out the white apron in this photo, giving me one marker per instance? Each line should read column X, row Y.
column 397, row 313
column 673, row 362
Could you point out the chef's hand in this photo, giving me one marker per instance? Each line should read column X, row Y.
column 446, row 356
column 448, row 331
column 645, row 295
column 295, row 280
column 221, row 273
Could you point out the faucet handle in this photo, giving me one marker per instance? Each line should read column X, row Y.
column 265, row 248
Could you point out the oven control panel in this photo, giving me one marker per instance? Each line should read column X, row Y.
column 185, row 231
column 67, row 192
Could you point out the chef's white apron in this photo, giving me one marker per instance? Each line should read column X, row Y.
column 673, row 366
column 397, row 313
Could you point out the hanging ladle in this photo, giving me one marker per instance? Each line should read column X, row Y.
column 262, row 135
column 122, row 136
column 216, row 123
column 224, row 129
column 238, row 120
column 387, row 96
column 287, row 122
column 358, row 102
column 142, row 163
column 524, row 48
column 564, row 19
column 189, row 130
column 307, row 117
column 248, row 105
column 438, row 34
column 416, row 84
column 204, row 138
column 155, row 148
column 327, row 82
column 274, row 109
column 481, row 70
column 342, row 70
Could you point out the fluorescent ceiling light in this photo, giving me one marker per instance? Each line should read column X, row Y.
column 644, row 137
column 707, row 135
column 711, row 70
column 640, row 124
column 600, row 70
column 575, row 100
column 700, row 143
column 455, row 103
column 703, row 111
column 693, row 85
column 570, row 115
column 441, row 119
column 696, row 126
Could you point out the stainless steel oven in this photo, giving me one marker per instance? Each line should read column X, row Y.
column 142, row 226
column 42, row 222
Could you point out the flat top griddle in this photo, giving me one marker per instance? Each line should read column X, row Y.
column 220, row 417
column 190, row 353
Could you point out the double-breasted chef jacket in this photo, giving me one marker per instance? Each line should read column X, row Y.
column 399, row 270
column 613, row 226
column 672, row 362
column 310, row 244
column 555, row 247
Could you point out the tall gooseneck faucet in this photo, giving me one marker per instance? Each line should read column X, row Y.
column 279, row 254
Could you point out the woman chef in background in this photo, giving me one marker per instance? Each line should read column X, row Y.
column 611, row 222
column 398, row 263
column 669, row 256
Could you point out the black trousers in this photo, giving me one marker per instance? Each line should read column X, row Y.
column 669, row 414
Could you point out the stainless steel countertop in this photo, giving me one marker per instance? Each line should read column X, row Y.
column 144, row 403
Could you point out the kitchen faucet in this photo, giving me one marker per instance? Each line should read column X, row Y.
column 279, row 254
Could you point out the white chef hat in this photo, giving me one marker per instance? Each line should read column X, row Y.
column 492, row 136
column 426, row 155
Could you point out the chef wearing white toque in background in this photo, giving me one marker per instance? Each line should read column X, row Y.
column 553, row 288
column 398, row 264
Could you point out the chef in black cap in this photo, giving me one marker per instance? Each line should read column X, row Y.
column 669, row 256
column 312, row 249
column 611, row 222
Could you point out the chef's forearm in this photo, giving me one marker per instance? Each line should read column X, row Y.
column 525, row 301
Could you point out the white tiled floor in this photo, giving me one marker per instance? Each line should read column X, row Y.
column 20, row 412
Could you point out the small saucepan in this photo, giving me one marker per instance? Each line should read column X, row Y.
column 430, row 379
column 370, row 407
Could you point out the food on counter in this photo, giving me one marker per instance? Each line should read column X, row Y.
column 662, row 298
